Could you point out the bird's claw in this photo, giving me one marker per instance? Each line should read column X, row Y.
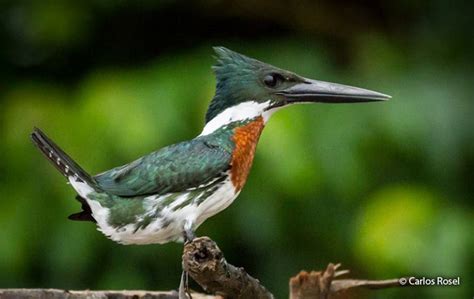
column 183, row 292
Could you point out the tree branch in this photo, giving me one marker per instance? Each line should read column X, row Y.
column 67, row 294
column 205, row 263
column 323, row 285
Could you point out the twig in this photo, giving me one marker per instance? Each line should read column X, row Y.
column 206, row 264
column 345, row 284
column 323, row 285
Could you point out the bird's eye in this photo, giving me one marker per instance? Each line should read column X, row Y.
column 272, row 80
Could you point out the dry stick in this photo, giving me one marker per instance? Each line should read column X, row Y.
column 206, row 264
column 323, row 285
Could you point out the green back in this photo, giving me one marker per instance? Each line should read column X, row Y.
column 174, row 168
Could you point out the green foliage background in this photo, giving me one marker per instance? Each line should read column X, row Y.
column 384, row 188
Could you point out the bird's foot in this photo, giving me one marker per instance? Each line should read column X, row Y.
column 183, row 292
column 189, row 236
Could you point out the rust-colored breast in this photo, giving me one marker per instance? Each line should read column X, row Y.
column 246, row 139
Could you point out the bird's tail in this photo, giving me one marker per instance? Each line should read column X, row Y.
column 60, row 159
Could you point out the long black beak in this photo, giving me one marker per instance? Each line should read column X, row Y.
column 324, row 92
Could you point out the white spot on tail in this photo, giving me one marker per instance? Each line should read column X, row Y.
column 82, row 188
column 100, row 214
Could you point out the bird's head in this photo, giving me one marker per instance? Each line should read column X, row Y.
column 247, row 88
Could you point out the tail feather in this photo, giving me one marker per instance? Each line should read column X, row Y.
column 85, row 214
column 68, row 168
column 65, row 164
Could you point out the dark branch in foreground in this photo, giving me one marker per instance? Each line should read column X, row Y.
column 206, row 264
column 66, row 294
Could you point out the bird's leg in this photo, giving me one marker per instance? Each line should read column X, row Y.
column 189, row 236
column 183, row 292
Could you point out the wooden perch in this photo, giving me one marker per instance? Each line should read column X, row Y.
column 205, row 263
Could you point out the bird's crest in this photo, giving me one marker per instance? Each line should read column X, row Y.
column 228, row 60
column 235, row 75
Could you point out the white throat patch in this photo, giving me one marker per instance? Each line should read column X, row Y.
column 242, row 111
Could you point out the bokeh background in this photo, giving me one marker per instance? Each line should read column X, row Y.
column 384, row 188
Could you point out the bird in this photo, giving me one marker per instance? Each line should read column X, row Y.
column 167, row 194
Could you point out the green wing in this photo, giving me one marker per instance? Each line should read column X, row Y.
column 174, row 168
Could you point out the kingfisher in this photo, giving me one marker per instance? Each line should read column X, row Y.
column 166, row 195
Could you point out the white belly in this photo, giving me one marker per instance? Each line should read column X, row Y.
column 171, row 221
